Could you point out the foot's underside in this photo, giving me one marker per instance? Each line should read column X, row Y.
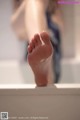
column 39, row 52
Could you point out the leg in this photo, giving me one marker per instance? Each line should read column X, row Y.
column 40, row 52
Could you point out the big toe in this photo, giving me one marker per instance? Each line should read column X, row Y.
column 45, row 37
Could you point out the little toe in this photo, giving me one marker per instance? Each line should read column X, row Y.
column 29, row 49
column 31, row 45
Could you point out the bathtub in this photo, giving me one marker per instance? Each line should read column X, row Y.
column 28, row 102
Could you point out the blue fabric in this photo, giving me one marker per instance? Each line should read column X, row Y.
column 56, row 42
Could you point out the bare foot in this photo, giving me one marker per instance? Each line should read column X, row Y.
column 39, row 52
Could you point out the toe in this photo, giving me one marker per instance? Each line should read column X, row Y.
column 31, row 45
column 37, row 40
column 29, row 49
column 45, row 37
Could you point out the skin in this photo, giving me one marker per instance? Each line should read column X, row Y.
column 39, row 54
column 35, row 17
column 39, row 57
